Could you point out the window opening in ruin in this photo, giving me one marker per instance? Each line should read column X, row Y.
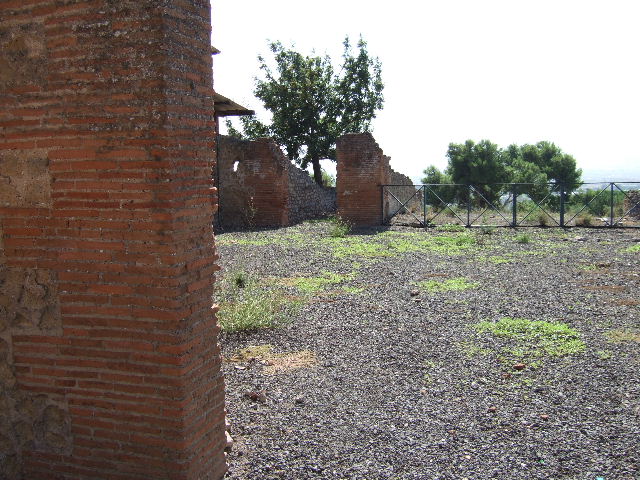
column 235, row 165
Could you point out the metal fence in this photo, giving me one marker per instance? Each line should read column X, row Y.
column 606, row 204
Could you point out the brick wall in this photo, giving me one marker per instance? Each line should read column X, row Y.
column 307, row 199
column 401, row 196
column 260, row 187
column 109, row 362
column 362, row 168
column 253, row 183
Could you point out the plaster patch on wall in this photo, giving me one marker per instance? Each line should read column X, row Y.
column 25, row 180
column 23, row 54
column 27, row 420
column 29, row 301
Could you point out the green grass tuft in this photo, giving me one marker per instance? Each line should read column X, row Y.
column 392, row 244
column 633, row 249
column 451, row 227
column 313, row 285
column 534, row 338
column 246, row 305
column 340, row 228
column 452, row 284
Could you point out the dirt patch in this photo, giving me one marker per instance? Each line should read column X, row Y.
column 274, row 363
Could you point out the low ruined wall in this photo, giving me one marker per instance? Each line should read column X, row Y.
column 109, row 360
column 306, row 198
column 253, row 183
column 399, row 197
column 632, row 203
column 259, row 187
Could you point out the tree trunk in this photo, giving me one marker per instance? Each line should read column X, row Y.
column 317, row 171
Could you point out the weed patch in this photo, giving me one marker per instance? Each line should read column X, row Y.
column 471, row 349
column 451, row 284
column 633, row 249
column 496, row 259
column 604, row 354
column 451, row 227
column 392, row 244
column 587, row 267
column 522, row 338
column 246, row 305
column 340, row 227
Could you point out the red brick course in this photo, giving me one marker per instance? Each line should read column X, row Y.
column 117, row 97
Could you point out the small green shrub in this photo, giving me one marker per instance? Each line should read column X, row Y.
column 584, row 220
column 523, row 238
column 487, row 229
column 239, row 279
column 247, row 305
column 259, row 309
column 340, row 227
column 543, row 219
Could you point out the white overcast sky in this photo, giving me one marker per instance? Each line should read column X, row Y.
column 511, row 71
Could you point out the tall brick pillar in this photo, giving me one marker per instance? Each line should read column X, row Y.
column 109, row 362
column 361, row 169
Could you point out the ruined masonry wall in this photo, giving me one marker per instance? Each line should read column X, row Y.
column 362, row 168
column 109, row 361
column 255, row 194
column 632, row 203
column 306, row 198
column 260, row 187
column 411, row 201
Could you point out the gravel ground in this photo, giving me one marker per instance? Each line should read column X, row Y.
column 404, row 387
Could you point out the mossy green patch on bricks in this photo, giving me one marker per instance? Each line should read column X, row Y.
column 633, row 249
column 520, row 338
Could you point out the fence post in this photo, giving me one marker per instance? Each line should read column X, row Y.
column 611, row 210
column 561, row 205
column 514, row 205
column 468, row 205
column 424, row 205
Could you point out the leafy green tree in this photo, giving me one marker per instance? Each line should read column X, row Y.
column 311, row 105
column 479, row 164
column 437, row 195
column 433, row 176
column 533, row 180
column 558, row 166
column 541, row 164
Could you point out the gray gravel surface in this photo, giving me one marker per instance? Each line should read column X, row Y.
column 405, row 388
